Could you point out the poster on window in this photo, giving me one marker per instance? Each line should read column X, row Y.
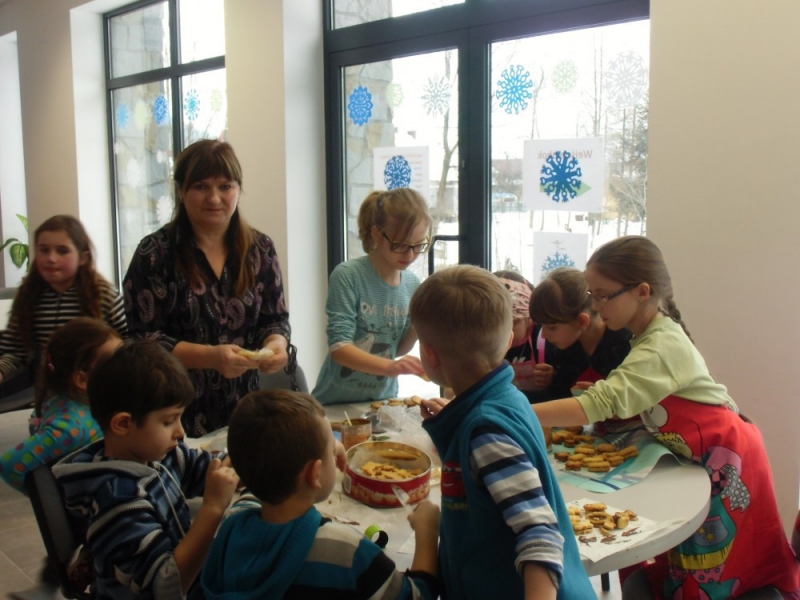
column 405, row 166
column 554, row 250
column 563, row 174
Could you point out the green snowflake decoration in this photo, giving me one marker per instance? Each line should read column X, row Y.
column 18, row 250
column 565, row 76
column 216, row 101
column 394, row 95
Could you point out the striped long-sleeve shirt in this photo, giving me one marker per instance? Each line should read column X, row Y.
column 53, row 309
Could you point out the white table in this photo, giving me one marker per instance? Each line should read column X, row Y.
column 671, row 493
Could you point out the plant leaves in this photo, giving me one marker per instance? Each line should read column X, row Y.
column 7, row 242
column 24, row 220
column 19, row 254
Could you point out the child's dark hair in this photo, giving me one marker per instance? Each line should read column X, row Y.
column 198, row 161
column 140, row 377
column 86, row 279
column 272, row 435
column 403, row 207
column 560, row 298
column 632, row 260
column 513, row 276
column 72, row 347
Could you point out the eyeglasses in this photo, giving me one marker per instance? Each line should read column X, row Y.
column 601, row 300
column 402, row 247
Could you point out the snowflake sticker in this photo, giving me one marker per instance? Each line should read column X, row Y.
column 123, row 116
column 436, row 98
column 514, row 85
column 555, row 261
column 394, row 95
column 141, row 115
column 134, row 173
column 626, row 80
column 561, row 176
column 161, row 110
column 164, row 210
column 216, row 100
column 397, row 173
column 191, row 105
column 565, row 76
column 360, row 105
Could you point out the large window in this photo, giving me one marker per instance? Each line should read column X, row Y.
column 524, row 124
column 166, row 89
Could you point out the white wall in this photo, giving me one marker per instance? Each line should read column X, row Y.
column 723, row 202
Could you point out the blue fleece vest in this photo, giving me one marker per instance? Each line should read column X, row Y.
column 477, row 550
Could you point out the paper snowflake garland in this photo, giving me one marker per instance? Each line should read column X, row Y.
column 556, row 261
column 164, row 210
column 216, row 101
column 626, row 80
column 565, row 76
column 561, row 176
column 394, row 95
column 436, row 98
column 514, row 85
column 360, row 105
column 161, row 110
column 397, row 173
column 191, row 105
column 123, row 116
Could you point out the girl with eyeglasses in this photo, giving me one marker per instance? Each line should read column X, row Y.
column 741, row 546
column 586, row 350
column 369, row 331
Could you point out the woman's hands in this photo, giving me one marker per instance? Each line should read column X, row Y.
column 278, row 344
column 231, row 364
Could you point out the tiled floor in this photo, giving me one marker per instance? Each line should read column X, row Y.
column 21, row 550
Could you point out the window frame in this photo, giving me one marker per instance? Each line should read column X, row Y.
column 470, row 28
column 173, row 73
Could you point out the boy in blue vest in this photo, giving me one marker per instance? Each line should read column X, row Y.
column 505, row 531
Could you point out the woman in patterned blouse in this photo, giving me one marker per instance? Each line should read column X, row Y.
column 207, row 285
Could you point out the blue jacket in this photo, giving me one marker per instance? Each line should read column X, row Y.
column 478, row 548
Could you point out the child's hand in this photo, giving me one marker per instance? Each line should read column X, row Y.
column 583, row 385
column 405, row 365
column 229, row 362
column 221, row 483
column 431, row 408
column 341, row 455
column 425, row 517
column 543, row 375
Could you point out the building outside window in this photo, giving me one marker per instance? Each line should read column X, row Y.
column 166, row 87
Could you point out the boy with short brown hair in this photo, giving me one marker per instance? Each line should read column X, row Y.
column 502, row 510
column 275, row 544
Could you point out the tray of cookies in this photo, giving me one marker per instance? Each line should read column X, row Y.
column 586, row 453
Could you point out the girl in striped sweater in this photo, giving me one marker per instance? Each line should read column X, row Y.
column 61, row 285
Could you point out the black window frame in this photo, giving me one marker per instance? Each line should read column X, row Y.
column 471, row 28
column 174, row 73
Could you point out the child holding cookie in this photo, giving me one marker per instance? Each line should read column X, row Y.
column 741, row 546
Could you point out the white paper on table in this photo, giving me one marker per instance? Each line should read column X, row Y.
column 596, row 545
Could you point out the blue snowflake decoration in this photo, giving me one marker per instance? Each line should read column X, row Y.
column 514, row 84
column 397, row 173
column 436, row 98
column 123, row 116
column 360, row 105
column 556, row 261
column 626, row 80
column 191, row 105
column 565, row 76
column 161, row 110
column 561, row 176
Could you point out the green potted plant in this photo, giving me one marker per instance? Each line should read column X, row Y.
column 18, row 250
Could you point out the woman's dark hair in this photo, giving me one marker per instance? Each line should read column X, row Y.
column 140, row 377
column 560, row 298
column 86, row 279
column 72, row 347
column 632, row 260
column 198, row 161
column 272, row 435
